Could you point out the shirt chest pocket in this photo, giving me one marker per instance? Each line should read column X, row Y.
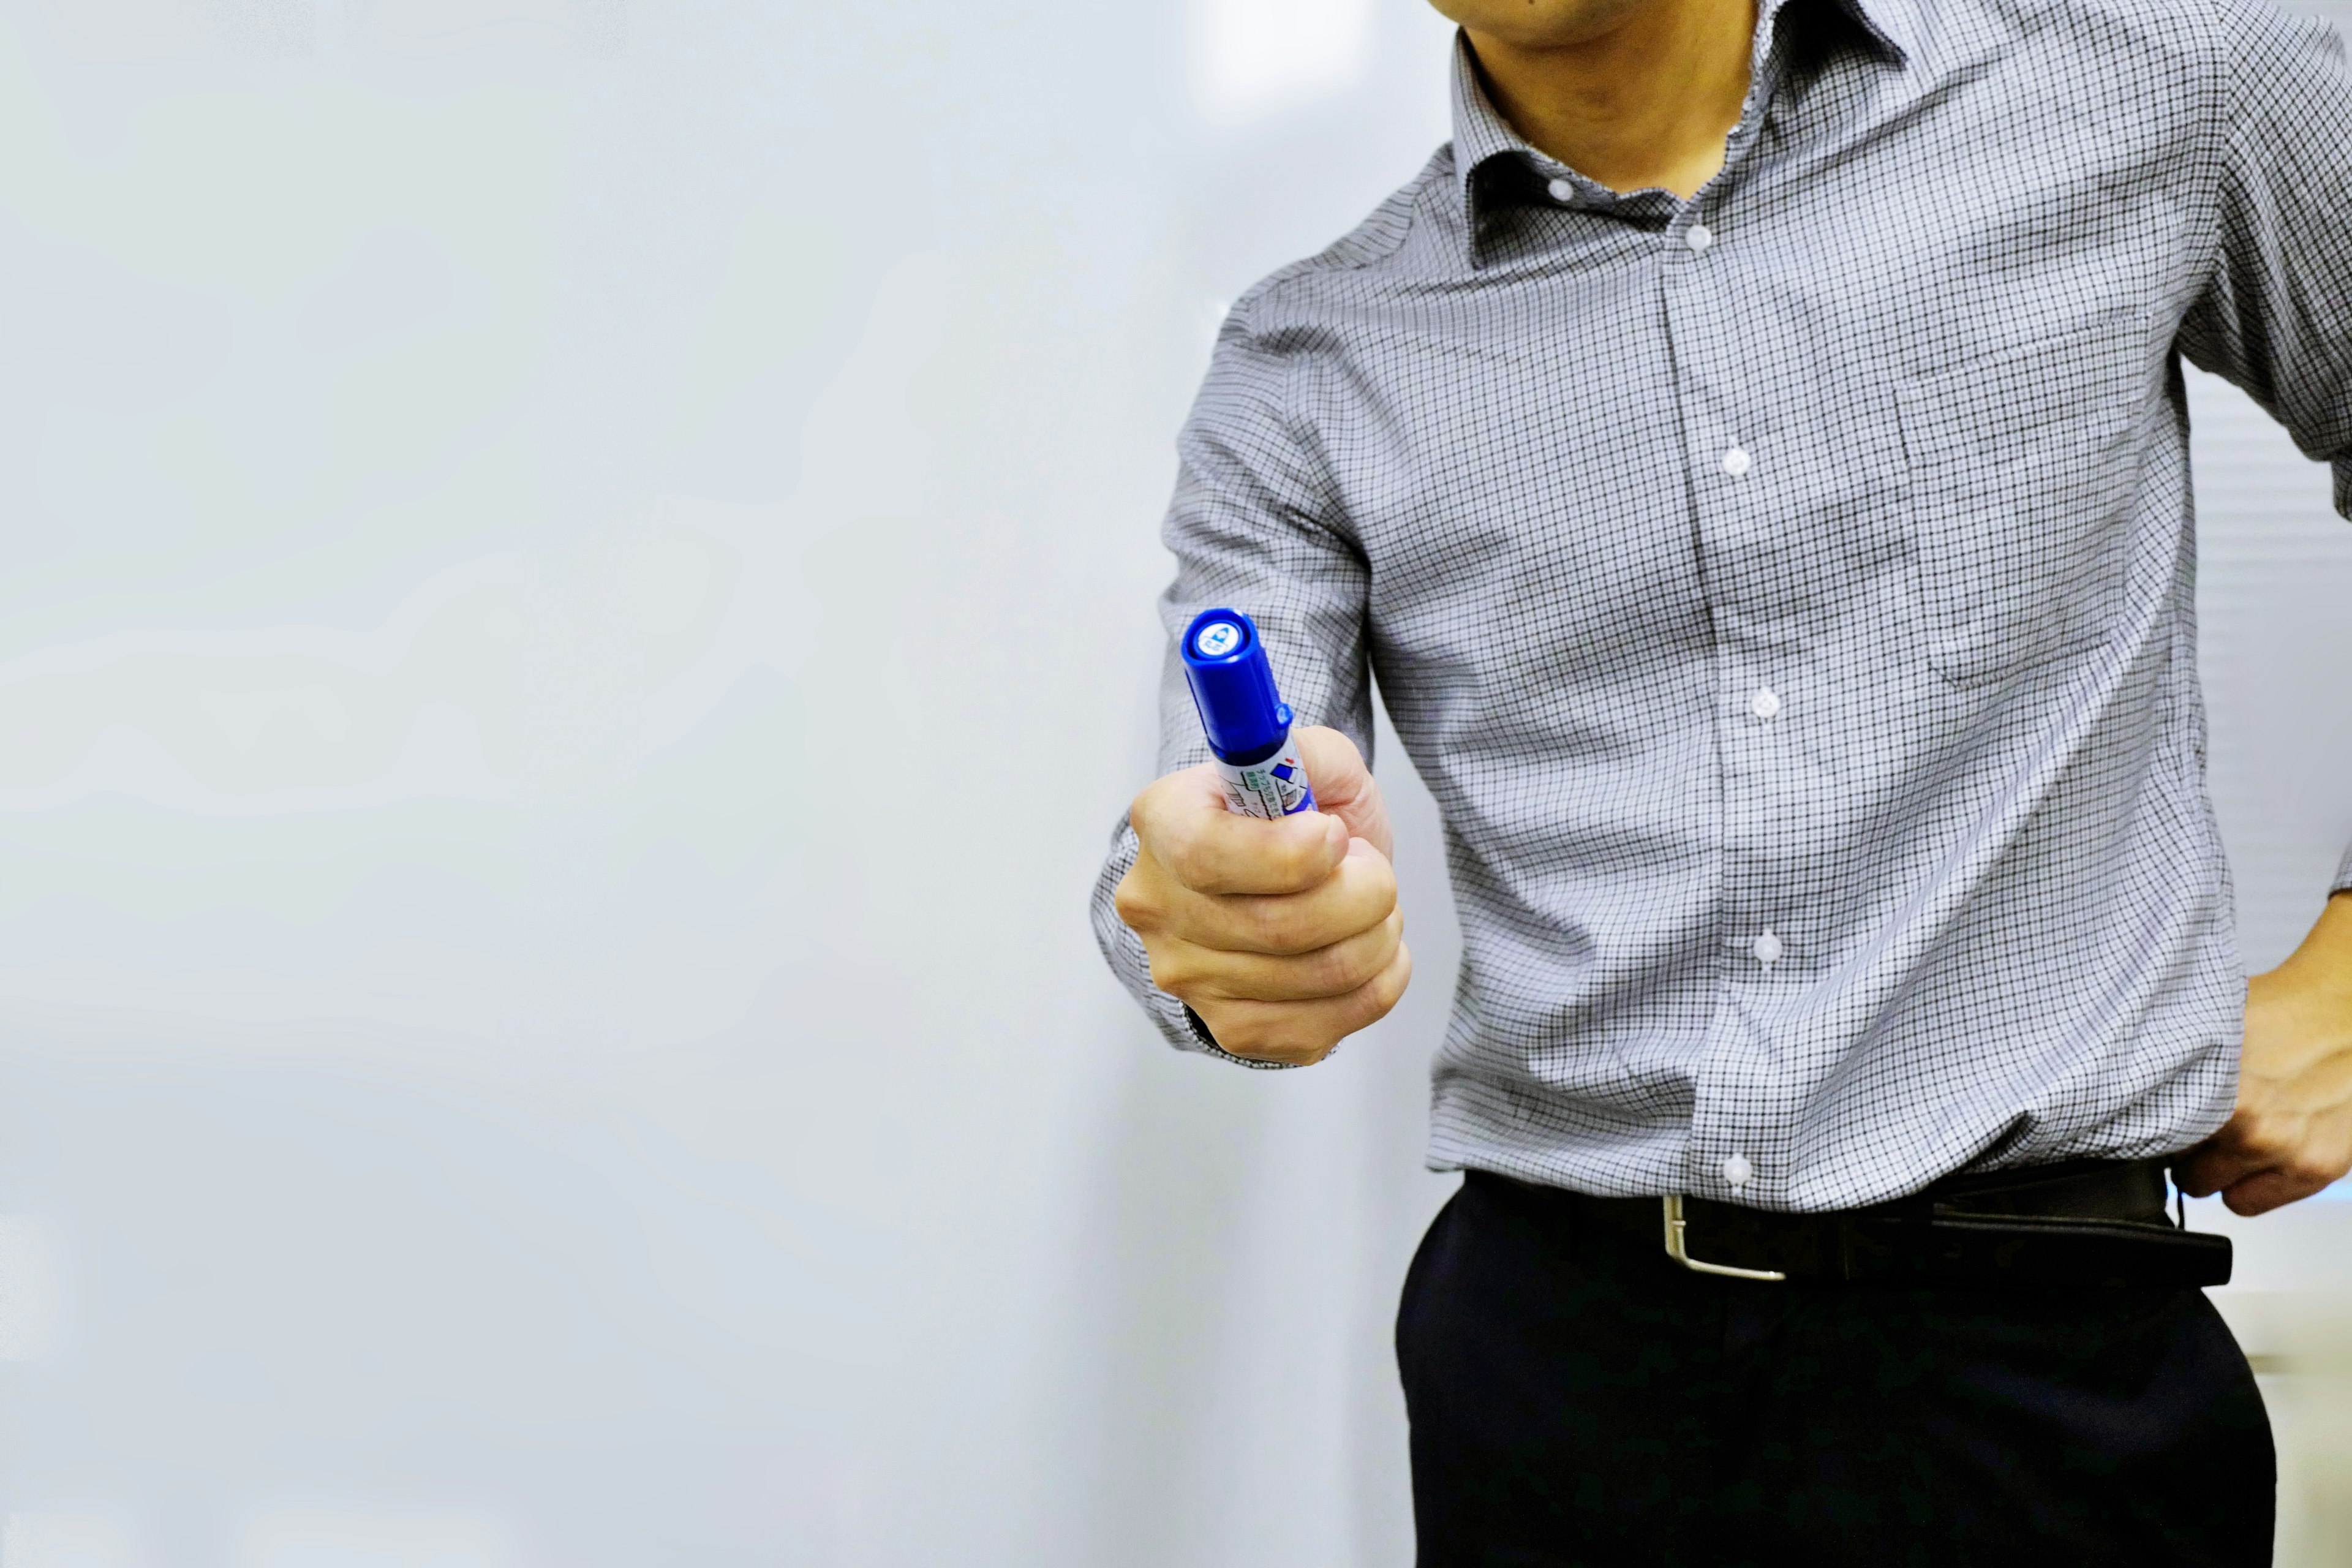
column 2022, row 469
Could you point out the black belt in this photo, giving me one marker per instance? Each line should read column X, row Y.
column 2082, row 1223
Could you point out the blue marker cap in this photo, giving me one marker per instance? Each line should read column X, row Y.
column 1232, row 686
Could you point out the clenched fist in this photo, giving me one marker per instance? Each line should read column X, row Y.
column 1284, row 936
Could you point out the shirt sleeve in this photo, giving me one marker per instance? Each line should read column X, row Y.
column 1256, row 526
column 2275, row 317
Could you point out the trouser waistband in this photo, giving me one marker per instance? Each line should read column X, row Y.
column 2082, row 1223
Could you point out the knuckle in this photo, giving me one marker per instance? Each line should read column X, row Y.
column 1326, row 971
column 1172, row 832
column 1380, row 952
column 1234, row 1040
column 2314, row 1173
column 1180, row 857
column 1315, row 975
column 1196, row 864
column 1143, row 811
column 1377, row 1000
column 1137, row 908
column 1279, row 926
column 2262, row 1139
column 1346, row 967
column 1170, row 973
column 1274, row 1036
column 1247, row 1039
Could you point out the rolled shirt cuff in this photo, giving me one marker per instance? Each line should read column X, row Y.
column 2343, row 877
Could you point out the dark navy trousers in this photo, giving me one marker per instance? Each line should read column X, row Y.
column 1578, row 1398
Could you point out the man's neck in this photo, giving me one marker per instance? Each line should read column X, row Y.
column 1648, row 103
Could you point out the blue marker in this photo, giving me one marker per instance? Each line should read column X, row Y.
column 1247, row 722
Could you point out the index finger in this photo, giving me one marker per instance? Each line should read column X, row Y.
column 1183, row 823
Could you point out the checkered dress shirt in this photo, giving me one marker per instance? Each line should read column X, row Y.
column 1787, row 594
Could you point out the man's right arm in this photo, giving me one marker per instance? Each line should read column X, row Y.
column 1281, row 937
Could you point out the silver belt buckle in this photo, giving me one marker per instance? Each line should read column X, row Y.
column 1680, row 1253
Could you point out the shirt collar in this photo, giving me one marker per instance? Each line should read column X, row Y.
column 1893, row 25
column 1481, row 134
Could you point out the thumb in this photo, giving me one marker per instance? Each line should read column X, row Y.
column 1344, row 787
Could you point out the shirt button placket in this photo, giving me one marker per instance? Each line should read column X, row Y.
column 1735, row 1171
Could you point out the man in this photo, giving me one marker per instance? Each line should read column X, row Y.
column 1752, row 455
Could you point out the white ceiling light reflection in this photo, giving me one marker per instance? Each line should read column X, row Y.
column 1252, row 57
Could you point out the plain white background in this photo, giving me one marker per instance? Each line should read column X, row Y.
column 574, row 613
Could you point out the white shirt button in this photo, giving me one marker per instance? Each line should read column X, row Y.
column 1699, row 236
column 1765, row 703
column 1561, row 191
column 1737, row 461
column 1737, row 1170
column 1766, row 949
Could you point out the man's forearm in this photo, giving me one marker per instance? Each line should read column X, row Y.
column 2291, row 1134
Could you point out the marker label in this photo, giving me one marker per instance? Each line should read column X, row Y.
column 1274, row 787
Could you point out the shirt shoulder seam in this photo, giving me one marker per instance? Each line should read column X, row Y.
column 1368, row 242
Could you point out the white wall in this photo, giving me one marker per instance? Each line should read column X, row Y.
column 575, row 607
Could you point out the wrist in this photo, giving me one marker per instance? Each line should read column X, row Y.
column 2322, row 960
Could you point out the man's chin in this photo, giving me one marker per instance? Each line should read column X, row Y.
column 1543, row 26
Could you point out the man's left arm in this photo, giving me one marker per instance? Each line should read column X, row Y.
column 2276, row 319
column 2292, row 1133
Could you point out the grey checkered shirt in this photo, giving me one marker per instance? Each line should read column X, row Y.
column 1787, row 594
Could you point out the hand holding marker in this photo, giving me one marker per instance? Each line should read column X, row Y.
column 1248, row 723
column 1280, row 933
